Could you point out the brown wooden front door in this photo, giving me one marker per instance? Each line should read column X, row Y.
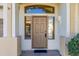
column 39, row 32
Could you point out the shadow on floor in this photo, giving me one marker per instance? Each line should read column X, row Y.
column 48, row 53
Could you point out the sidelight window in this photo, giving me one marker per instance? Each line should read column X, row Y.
column 51, row 28
column 27, row 27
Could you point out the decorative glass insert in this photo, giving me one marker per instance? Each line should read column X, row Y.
column 51, row 28
column 39, row 9
column 35, row 10
column 27, row 27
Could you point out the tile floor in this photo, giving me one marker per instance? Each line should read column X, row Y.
column 49, row 53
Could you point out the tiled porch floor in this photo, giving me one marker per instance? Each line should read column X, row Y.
column 49, row 53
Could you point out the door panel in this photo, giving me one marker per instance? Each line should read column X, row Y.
column 39, row 29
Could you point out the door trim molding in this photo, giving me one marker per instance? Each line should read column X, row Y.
column 46, row 14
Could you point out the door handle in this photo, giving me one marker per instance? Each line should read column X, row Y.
column 45, row 35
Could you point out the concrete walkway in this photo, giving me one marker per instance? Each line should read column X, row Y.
column 48, row 53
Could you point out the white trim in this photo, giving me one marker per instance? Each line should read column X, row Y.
column 5, row 9
column 30, row 14
column 68, row 20
column 76, row 18
column 13, row 20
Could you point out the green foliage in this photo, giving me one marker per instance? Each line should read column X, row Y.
column 73, row 46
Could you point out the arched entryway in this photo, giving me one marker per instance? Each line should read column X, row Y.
column 38, row 26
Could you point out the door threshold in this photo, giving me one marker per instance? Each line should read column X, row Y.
column 39, row 49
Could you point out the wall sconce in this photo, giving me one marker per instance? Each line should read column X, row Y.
column 59, row 19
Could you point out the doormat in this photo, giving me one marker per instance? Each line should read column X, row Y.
column 40, row 51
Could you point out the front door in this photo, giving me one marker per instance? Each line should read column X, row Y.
column 39, row 32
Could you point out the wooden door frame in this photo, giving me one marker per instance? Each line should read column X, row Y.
column 46, row 30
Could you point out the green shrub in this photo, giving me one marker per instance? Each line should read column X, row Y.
column 73, row 46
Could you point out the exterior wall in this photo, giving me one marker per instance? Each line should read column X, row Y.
column 78, row 18
column 64, row 24
column 63, row 14
column 17, row 19
column 72, row 18
column 63, row 46
column 9, row 20
column 10, row 46
column 73, row 29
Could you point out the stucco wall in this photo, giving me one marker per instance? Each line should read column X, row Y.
column 78, row 18
column 63, row 46
column 17, row 19
column 72, row 18
column 10, row 46
column 9, row 20
column 63, row 15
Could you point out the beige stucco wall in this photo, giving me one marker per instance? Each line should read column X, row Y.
column 72, row 18
column 78, row 18
column 9, row 21
column 63, row 46
column 63, row 40
column 10, row 46
column 17, row 19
